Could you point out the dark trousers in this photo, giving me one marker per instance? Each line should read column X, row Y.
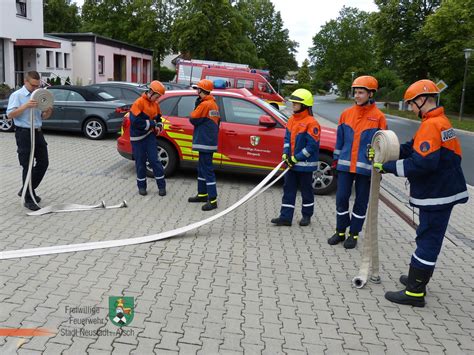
column 293, row 181
column 143, row 150
column 345, row 219
column 41, row 161
column 429, row 237
column 206, row 176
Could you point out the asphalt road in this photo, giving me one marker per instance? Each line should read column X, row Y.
column 327, row 107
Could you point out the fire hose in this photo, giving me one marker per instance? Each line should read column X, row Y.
column 387, row 148
column 256, row 191
column 45, row 100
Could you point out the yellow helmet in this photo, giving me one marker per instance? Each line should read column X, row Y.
column 302, row 96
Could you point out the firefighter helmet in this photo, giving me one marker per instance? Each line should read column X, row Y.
column 303, row 97
column 157, row 87
column 421, row 87
column 205, row 85
column 366, row 82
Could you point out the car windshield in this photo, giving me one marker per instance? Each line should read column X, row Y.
column 275, row 111
column 106, row 96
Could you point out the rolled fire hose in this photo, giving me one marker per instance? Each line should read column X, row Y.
column 45, row 100
column 256, row 191
column 387, row 148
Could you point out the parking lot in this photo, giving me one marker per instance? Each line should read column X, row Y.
column 238, row 285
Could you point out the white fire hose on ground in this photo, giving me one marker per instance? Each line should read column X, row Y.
column 387, row 148
column 45, row 100
column 256, row 191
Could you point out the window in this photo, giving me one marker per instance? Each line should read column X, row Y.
column 106, row 96
column 49, row 59
column 265, row 87
column 101, row 64
column 66, row 60
column 130, row 95
column 21, row 8
column 59, row 60
column 229, row 82
column 186, row 105
column 75, row 96
column 59, row 94
column 188, row 74
column 168, row 105
column 240, row 111
column 245, row 83
column 115, row 92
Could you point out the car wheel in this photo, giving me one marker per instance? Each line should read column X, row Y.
column 324, row 179
column 167, row 156
column 6, row 125
column 94, row 128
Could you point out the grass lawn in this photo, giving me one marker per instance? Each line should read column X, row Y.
column 466, row 124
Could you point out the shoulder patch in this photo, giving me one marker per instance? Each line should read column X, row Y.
column 424, row 147
column 373, row 119
column 213, row 113
column 448, row 134
column 316, row 131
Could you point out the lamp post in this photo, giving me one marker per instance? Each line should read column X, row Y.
column 467, row 54
column 352, row 80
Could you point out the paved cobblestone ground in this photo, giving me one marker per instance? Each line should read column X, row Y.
column 238, row 285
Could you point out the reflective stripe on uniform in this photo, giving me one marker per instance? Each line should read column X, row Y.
column 357, row 216
column 159, row 177
column 440, row 200
column 344, row 162
column 308, row 204
column 306, row 153
column 307, row 163
column 134, row 139
column 429, row 263
column 337, row 151
column 147, row 127
column 144, row 179
column 202, row 146
column 202, row 179
column 400, row 168
column 210, row 183
column 363, row 165
column 342, row 213
column 289, row 206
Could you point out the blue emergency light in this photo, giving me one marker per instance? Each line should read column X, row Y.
column 220, row 84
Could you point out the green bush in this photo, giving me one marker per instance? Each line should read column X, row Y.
column 5, row 91
column 166, row 74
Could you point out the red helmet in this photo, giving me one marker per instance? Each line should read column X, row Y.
column 366, row 82
column 157, row 87
column 421, row 87
column 205, row 85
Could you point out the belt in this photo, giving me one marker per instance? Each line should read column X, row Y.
column 27, row 129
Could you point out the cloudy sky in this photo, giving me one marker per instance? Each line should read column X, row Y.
column 304, row 18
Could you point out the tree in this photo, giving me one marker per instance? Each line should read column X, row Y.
column 213, row 30
column 343, row 46
column 451, row 30
column 61, row 16
column 275, row 50
column 399, row 42
column 146, row 23
column 304, row 77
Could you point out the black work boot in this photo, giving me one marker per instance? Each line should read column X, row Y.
column 404, row 280
column 305, row 221
column 414, row 294
column 142, row 191
column 281, row 222
column 337, row 237
column 198, row 198
column 162, row 192
column 210, row 205
column 351, row 241
column 31, row 205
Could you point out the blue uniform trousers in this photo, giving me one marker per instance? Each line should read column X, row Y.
column 143, row 150
column 344, row 190
column 206, row 176
column 429, row 237
column 293, row 181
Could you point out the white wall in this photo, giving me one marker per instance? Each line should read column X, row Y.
column 13, row 26
column 59, row 69
column 82, row 53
